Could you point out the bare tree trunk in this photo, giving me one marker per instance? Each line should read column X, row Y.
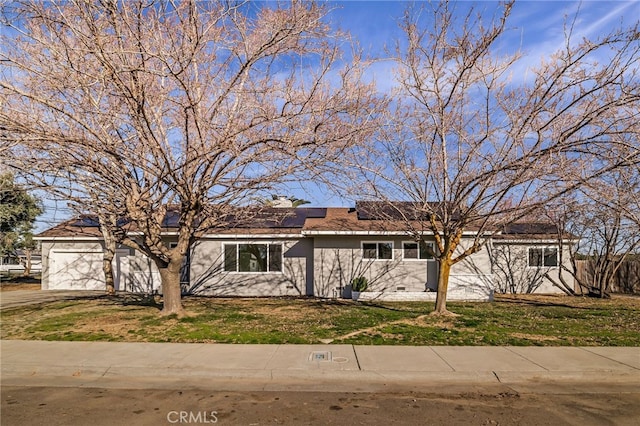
column 27, row 263
column 171, row 291
column 561, row 283
column 107, row 267
column 443, row 284
column 107, row 225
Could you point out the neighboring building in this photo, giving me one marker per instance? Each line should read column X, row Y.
column 294, row 252
column 13, row 265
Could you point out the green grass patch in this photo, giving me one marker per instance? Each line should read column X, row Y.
column 547, row 321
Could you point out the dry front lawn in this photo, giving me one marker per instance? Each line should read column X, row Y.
column 511, row 320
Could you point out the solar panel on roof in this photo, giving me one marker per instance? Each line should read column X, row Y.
column 171, row 219
column 531, row 228
column 88, row 221
column 376, row 210
column 402, row 210
column 253, row 218
column 271, row 217
column 316, row 212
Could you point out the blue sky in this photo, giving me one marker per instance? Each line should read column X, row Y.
column 536, row 28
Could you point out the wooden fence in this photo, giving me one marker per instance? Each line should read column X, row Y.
column 626, row 279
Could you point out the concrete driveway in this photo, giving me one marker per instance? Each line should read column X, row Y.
column 18, row 298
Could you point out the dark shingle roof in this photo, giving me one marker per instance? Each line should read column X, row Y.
column 400, row 210
column 531, row 228
column 258, row 220
column 365, row 217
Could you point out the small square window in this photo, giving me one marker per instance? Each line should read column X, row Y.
column 410, row 250
column 535, row 257
column 543, row 257
column 230, row 257
column 423, row 250
column 369, row 250
column 377, row 250
column 550, row 257
column 252, row 257
column 385, row 251
column 275, row 257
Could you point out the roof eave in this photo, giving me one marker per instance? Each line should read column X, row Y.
column 364, row 232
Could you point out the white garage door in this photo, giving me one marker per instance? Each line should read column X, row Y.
column 76, row 271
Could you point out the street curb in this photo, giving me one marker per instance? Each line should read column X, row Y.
column 315, row 380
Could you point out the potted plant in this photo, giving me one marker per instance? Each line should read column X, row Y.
column 358, row 285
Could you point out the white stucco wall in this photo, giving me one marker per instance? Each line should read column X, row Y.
column 523, row 274
column 208, row 276
column 472, row 277
column 133, row 271
column 322, row 266
column 338, row 259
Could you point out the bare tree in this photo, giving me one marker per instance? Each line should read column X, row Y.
column 472, row 149
column 177, row 110
column 607, row 236
column 79, row 194
column 621, row 190
column 510, row 267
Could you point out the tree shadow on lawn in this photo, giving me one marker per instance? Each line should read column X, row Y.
column 16, row 280
column 155, row 301
column 417, row 310
column 550, row 303
column 346, row 303
column 133, row 299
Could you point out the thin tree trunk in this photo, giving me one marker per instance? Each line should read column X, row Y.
column 107, row 267
column 562, row 283
column 27, row 263
column 443, row 284
column 171, row 292
column 107, row 225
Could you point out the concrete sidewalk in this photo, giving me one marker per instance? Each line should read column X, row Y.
column 343, row 368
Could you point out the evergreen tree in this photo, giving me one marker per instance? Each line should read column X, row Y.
column 18, row 212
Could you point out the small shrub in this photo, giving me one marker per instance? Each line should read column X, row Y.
column 359, row 284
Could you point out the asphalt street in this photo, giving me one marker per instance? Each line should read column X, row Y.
column 97, row 383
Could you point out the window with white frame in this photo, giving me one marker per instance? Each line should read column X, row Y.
column 542, row 257
column 411, row 250
column 378, row 250
column 253, row 257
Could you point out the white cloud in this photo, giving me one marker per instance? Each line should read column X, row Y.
column 542, row 28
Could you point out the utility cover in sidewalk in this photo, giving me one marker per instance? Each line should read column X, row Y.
column 320, row 356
